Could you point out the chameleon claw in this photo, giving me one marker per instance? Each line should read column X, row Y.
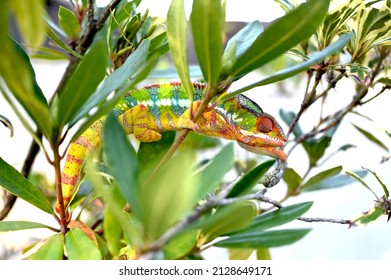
column 185, row 123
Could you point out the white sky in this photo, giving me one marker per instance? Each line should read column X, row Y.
column 262, row 10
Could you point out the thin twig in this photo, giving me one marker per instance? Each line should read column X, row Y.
column 326, row 220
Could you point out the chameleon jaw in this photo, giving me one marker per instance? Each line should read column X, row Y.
column 276, row 152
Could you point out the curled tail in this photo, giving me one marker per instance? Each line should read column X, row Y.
column 78, row 151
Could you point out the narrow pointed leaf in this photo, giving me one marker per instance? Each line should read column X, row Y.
column 29, row 18
column 121, row 159
column 68, row 22
column 20, row 225
column 263, row 239
column 80, row 247
column 18, row 74
column 292, row 179
column 338, row 181
column 361, row 181
column 298, row 68
column 83, row 82
column 14, row 182
column 250, row 179
column 371, row 137
column 212, row 174
column 278, row 217
column 239, row 43
column 282, row 35
column 57, row 40
column 227, row 219
column 177, row 39
column 385, row 190
column 207, row 27
column 51, row 249
column 171, row 188
column 316, row 179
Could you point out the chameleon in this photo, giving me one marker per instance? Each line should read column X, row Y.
column 148, row 111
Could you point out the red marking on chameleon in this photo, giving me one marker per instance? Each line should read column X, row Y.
column 82, row 141
column 175, row 84
column 74, row 159
column 70, row 180
column 213, row 118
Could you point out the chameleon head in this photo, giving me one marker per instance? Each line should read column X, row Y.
column 265, row 137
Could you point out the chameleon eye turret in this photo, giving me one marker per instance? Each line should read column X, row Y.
column 265, row 124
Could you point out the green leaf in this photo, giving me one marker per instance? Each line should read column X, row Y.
column 250, row 179
column 150, row 154
column 316, row 148
column 239, row 43
column 122, row 162
column 112, row 232
column 212, row 174
column 298, row 68
column 283, row 34
column 29, row 18
column 386, row 81
column 177, row 39
column 20, row 225
column 168, row 195
column 227, row 219
column 385, row 190
column 335, row 182
column 49, row 54
column 240, row 254
column 14, row 182
column 263, row 254
column 371, row 137
column 207, row 27
column 288, row 118
column 181, row 245
column 293, row 180
column 114, row 200
column 83, row 82
column 51, row 249
column 278, row 217
column 21, row 80
column 55, row 39
column 361, row 181
column 117, row 79
column 68, row 22
column 80, row 247
column 263, row 239
column 316, row 179
column 370, row 216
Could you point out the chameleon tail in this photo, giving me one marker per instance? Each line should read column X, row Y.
column 78, row 151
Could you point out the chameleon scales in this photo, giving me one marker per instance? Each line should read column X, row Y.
column 147, row 111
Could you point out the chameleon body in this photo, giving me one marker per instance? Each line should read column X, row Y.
column 157, row 108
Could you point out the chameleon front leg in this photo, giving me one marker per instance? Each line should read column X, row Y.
column 138, row 121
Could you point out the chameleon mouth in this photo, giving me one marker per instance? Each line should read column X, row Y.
column 264, row 138
column 276, row 152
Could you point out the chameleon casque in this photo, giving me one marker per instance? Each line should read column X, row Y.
column 157, row 108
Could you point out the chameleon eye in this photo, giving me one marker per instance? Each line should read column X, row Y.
column 265, row 124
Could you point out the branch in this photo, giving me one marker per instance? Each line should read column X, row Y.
column 326, row 220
